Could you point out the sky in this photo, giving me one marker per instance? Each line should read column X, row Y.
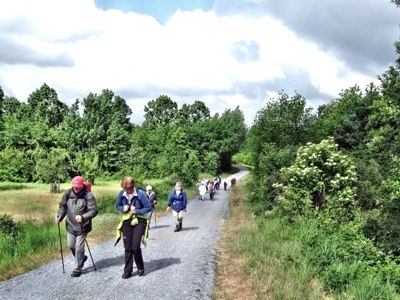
column 226, row 53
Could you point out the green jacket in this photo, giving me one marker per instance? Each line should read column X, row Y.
column 134, row 221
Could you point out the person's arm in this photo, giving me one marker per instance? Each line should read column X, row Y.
column 184, row 200
column 146, row 205
column 62, row 210
column 92, row 210
column 120, row 203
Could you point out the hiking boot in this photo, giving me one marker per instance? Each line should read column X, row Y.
column 140, row 272
column 76, row 273
column 176, row 228
column 180, row 226
column 126, row 275
column 83, row 262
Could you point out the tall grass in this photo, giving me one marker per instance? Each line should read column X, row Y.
column 36, row 243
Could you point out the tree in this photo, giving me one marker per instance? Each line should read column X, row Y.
column 43, row 104
column 284, row 122
column 346, row 117
column 192, row 113
column 105, row 124
column 160, row 112
column 1, row 108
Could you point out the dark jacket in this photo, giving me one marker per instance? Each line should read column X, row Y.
column 71, row 205
column 178, row 202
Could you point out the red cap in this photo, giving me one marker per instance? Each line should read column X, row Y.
column 77, row 182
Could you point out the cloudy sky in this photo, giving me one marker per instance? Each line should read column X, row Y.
column 223, row 52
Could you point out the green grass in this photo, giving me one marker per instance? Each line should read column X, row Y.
column 275, row 260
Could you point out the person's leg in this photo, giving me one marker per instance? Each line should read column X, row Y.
column 180, row 219
column 175, row 214
column 138, row 232
column 127, row 231
column 80, row 256
column 76, row 244
column 71, row 241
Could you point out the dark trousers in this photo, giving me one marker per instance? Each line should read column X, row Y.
column 132, row 239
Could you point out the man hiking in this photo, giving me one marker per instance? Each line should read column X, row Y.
column 78, row 204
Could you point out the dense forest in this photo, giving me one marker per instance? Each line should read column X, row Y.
column 44, row 140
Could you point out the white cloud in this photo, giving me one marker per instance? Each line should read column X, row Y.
column 224, row 61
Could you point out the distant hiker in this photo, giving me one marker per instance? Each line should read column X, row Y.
column 178, row 201
column 134, row 205
column 202, row 191
column 211, row 189
column 225, row 185
column 152, row 196
column 79, row 205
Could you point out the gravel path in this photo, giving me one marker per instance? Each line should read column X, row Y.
column 178, row 265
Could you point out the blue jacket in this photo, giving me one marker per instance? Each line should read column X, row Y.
column 140, row 202
column 178, row 202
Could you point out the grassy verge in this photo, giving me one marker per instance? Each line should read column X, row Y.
column 260, row 258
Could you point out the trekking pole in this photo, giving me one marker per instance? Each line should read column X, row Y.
column 155, row 219
column 62, row 256
column 90, row 253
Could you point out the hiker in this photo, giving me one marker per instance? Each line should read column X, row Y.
column 134, row 206
column 225, row 185
column 211, row 188
column 79, row 205
column 202, row 191
column 178, row 201
column 152, row 196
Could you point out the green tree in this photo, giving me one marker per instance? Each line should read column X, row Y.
column 1, row 108
column 52, row 165
column 43, row 104
column 160, row 112
column 346, row 117
column 105, row 124
column 192, row 113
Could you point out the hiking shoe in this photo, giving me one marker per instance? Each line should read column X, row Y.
column 126, row 275
column 140, row 272
column 76, row 273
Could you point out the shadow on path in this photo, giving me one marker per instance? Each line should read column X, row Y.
column 107, row 262
column 158, row 264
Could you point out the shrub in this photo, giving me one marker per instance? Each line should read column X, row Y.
column 9, row 228
column 322, row 179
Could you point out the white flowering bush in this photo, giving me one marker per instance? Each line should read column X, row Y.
column 321, row 180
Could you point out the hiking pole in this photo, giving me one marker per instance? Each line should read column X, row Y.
column 155, row 219
column 62, row 256
column 90, row 253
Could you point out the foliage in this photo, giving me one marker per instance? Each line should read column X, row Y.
column 346, row 117
column 51, row 166
column 321, row 180
column 9, row 228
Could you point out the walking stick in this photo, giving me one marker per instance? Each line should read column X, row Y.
column 155, row 219
column 90, row 253
column 62, row 256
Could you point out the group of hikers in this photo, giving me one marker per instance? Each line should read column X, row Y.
column 78, row 206
column 208, row 185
